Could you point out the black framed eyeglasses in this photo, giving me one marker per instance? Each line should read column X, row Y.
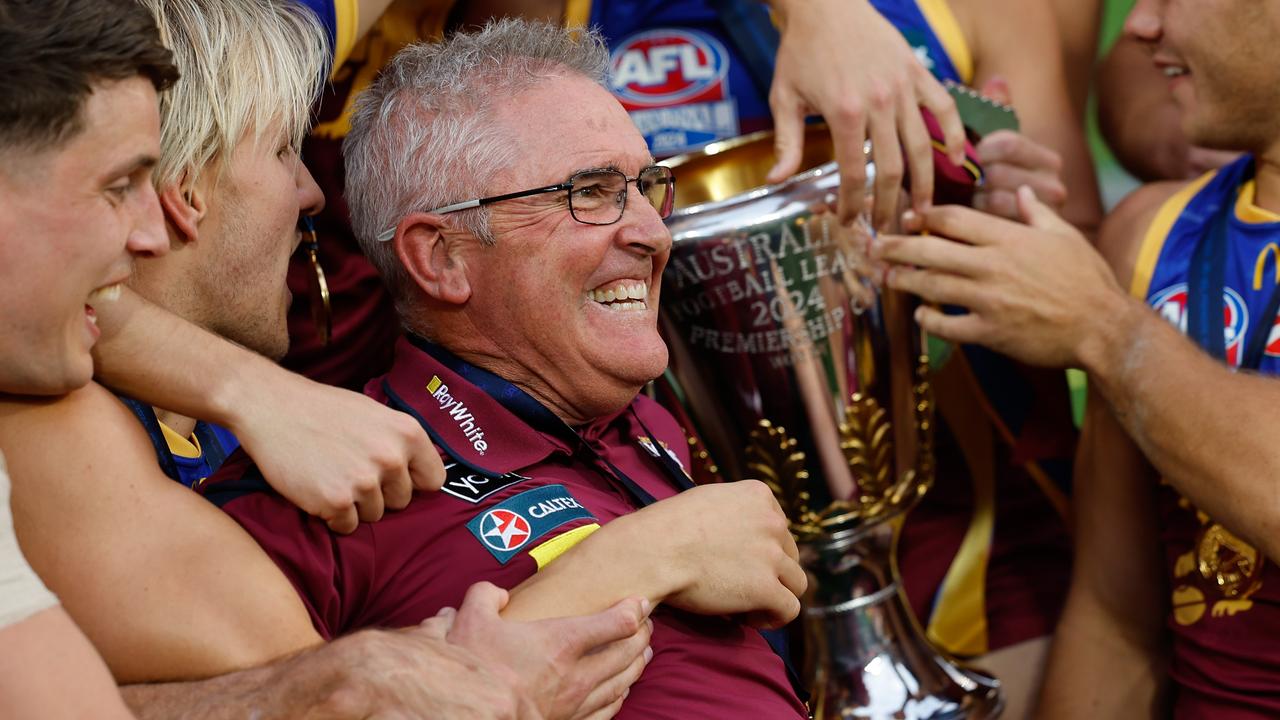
column 596, row 197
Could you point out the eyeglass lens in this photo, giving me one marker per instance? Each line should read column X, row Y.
column 599, row 197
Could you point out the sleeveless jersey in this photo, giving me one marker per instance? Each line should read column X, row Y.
column 1224, row 594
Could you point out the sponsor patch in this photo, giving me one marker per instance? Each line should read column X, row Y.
column 1171, row 304
column 466, row 484
column 518, row 522
column 455, row 409
column 674, row 82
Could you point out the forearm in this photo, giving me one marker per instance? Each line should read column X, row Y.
column 161, row 359
column 1203, row 427
column 290, row 688
column 1100, row 669
column 615, row 562
column 43, row 655
column 1107, row 657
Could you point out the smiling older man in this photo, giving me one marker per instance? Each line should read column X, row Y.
column 521, row 235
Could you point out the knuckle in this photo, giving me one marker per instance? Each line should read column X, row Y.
column 883, row 95
column 1053, row 160
column 889, row 170
column 337, row 498
column 848, row 111
column 997, row 175
column 1056, row 193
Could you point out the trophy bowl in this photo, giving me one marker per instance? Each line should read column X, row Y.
column 792, row 365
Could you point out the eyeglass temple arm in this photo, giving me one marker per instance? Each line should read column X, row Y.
column 390, row 233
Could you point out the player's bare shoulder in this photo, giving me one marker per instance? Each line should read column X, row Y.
column 71, row 430
column 1124, row 230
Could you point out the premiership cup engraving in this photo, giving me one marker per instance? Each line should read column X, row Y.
column 791, row 366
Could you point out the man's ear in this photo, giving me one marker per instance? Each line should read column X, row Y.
column 184, row 208
column 429, row 251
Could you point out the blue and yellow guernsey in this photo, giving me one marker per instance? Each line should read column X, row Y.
column 1250, row 273
column 1224, row 608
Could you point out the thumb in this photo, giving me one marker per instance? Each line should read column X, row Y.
column 483, row 598
column 788, row 136
column 1037, row 214
column 996, row 89
column 426, row 468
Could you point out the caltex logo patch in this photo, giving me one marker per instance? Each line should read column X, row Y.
column 504, row 530
column 518, row 522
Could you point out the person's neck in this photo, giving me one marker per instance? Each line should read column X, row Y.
column 1267, row 179
column 180, row 424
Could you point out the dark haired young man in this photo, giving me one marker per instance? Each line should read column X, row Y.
column 77, row 142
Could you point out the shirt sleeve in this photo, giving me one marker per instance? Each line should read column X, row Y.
column 332, row 580
column 22, row 594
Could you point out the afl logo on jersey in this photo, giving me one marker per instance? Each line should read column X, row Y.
column 1171, row 304
column 659, row 68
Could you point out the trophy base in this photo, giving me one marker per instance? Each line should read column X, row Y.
column 865, row 655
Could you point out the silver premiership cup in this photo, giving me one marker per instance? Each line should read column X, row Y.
column 792, row 366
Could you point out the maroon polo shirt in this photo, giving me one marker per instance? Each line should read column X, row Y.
column 520, row 486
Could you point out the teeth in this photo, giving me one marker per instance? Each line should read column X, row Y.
column 623, row 296
column 1174, row 71
column 107, row 294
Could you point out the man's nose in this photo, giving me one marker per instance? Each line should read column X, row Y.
column 147, row 237
column 310, row 196
column 1143, row 22
column 642, row 229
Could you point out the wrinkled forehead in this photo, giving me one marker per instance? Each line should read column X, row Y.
column 569, row 123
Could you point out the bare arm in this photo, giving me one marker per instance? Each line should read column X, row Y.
column 669, row 553
column 41, row 650
column 334, row 453
column 1078, row 24
column 1107, row 656
column 1186, row 412
column 1183, row 409
column 155, row 575
column 41, row 658
column 1018, row 41
column 414, row 672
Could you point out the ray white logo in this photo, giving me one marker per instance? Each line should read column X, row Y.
column 454, row 408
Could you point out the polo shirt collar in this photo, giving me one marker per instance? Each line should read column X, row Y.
column 478, row 418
